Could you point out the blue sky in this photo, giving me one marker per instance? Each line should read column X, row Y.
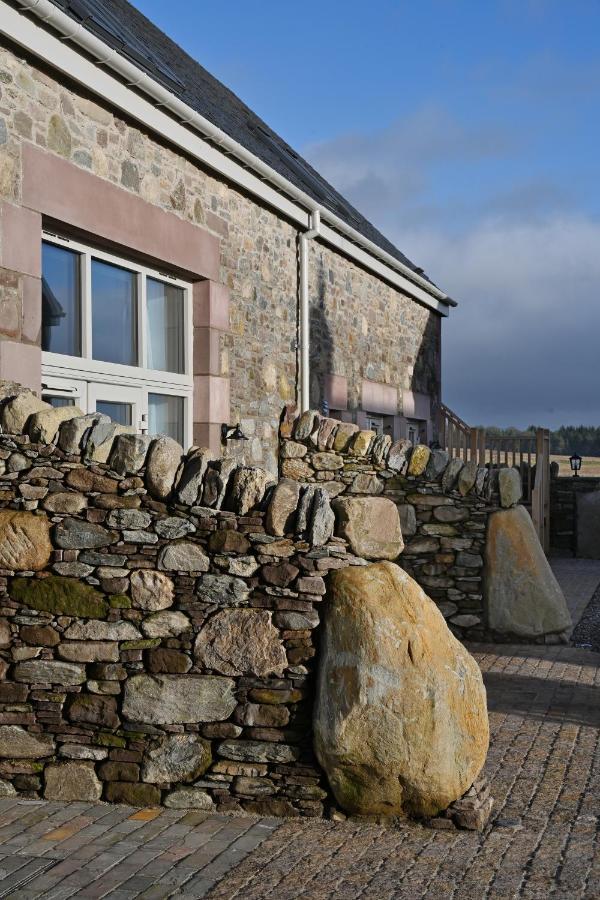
column 469, row 133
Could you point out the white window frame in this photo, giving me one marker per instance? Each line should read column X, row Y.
column 73, row 374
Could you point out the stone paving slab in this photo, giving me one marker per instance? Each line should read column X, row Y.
column 543, row 841
column 578, row 579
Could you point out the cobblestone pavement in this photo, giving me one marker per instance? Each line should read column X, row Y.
column 543, row 841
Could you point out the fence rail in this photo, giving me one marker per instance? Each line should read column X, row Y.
column 528, row 452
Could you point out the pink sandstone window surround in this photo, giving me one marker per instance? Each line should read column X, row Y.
column 58, row 193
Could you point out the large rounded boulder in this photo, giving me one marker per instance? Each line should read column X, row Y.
column 401, row 725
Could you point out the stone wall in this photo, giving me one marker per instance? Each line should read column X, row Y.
column 444, row 505
column 157, row 629
column 362, row 327
column 563, row 510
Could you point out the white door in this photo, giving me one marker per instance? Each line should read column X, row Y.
column 124, row 404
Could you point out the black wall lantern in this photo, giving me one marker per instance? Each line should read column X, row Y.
column 575, row 463
column 232, row 433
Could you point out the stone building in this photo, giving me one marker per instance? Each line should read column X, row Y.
column 167, row 259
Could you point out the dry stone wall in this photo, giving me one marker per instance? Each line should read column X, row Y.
column 157, row 624
column 444, row 505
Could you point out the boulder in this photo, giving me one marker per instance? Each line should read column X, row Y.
column 178, row 699
column 588, row 525
column 283, row 504
column 400, row 723
column 216, row 482
column 128, row 518
column 24, row 541
column 162, row 463
column 129, row 452
column 97, row 630
column 16, row 412
column 6, row 789
column 68, row 502
column 168, row 623
column 100, row 440
column 322, row 519
column 173, row 527
column 467, row 477
column 71, row 781
column 437, row 464
column 223, row 590
column 399, row 455
column 297, row 469
column 77, row 534
column 510, row 487
column 343, row 436
column 16, row 743
column 59, row 595
column 43, row 426
column 151, row 590
column 189, row 798
column 293, row 450
column 327, row 462
column 241, row 642
column 521, row 595
column 326, row 433
column 381, row 448
column 178, row 757
column 189, row 486
column 408, row 520
column 450, row 476
column 371, row 525
column 362, row 443
column 73, row 433
column 306, row 424
column 183, row 556
column 419, row 460
column 248, row 488
column 49, row 671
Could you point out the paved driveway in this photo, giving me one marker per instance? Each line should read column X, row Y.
column 544, row 766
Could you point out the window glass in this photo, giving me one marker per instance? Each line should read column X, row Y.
column 61, row 301
column 56, row 401
column 118, row 412
column 165, row 415
column 114, row 314
column 165, row 317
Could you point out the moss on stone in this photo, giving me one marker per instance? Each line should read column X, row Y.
column 119, row 601
column 103, row 739
column 140, row 645
column 60, row 596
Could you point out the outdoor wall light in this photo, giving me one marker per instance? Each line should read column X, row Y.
column 575, row 463
column 233, row 433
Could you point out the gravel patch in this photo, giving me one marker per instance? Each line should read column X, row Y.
column 586, row 634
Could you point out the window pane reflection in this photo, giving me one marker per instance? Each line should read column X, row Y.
column 118, row 412
column 61, row 302
column 165, row 416
column 114, row 314
column 165, row 316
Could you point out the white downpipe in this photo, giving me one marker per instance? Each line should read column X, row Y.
column 136, row 77
column 305, row 239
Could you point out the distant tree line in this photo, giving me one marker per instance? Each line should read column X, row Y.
column 582, row 439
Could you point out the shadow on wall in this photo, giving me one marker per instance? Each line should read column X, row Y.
column 425, row 377
column 321, row 345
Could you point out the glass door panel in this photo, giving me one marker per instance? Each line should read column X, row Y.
column 123, row 404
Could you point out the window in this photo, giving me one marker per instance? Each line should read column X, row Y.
column 116, row 338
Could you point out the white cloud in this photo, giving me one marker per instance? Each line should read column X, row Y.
column 523, row 345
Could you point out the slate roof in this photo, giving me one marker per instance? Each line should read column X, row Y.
column 123, row 27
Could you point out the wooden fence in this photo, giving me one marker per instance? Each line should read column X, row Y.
column 528, row 452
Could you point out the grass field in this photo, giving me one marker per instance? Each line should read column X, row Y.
column 590, row 465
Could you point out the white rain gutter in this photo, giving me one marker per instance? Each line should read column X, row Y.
column 305, row 240
column 261, row 180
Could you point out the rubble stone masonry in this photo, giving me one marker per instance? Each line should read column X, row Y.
column 363, row 330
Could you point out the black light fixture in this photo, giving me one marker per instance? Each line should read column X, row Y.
column 575, row 463
column 232, row 433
